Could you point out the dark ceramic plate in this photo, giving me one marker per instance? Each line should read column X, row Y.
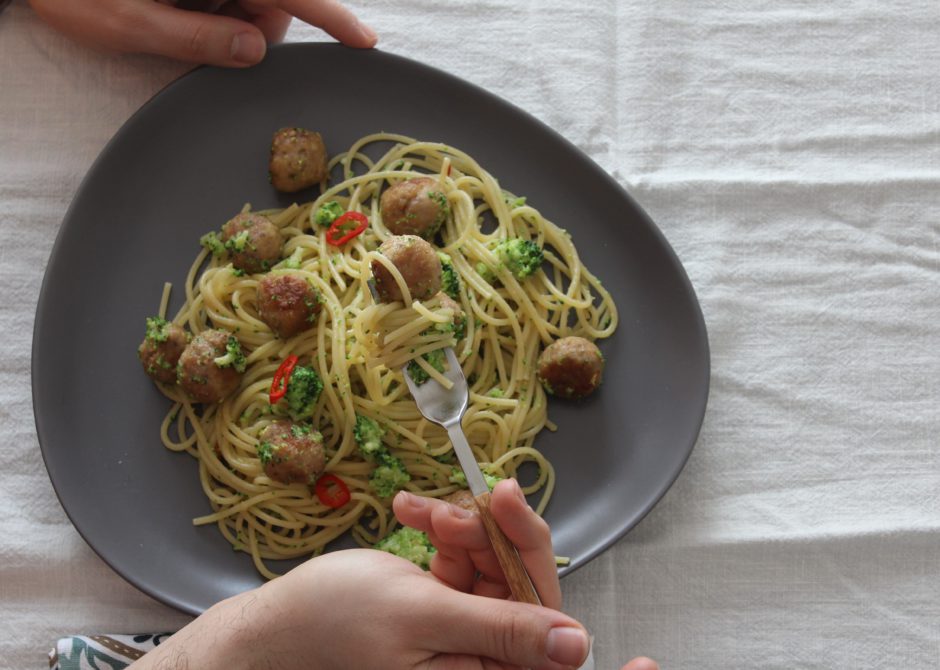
column 196, row 153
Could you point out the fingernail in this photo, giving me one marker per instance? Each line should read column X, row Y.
column 367, row 33
column 460, row 512
column 567, row 646
column 248, row 48
column 417, row 502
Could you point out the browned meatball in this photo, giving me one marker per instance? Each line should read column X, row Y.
column 418, row 264
column 571, row 367
column 462, row 498
column 160, row 351
column 291, row 453
column 414, row 207
column 298, row 159
column 253, row 241
column 209, row 368
column 460, row 319
column 287, row 303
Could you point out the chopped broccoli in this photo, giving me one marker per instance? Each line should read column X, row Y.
column 521, row 257
column 158, row 329
column 328, row 212
column 513, row 202
column 368, row 434
column 435, row 358
column 460, row 479
column 443, row 208
column 496, row 392
column 389, row 476
column 233, row 356
column 450, row 281
column 265, row 452
column 300, row 429
column 293, row 261
column 486, row 273
column 238, row 243
column 303, row 390
column 212, row 242
column 409, row 544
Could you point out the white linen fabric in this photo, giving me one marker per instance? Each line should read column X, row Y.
column 790, row 152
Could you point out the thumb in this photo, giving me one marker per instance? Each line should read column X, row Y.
column 508, row 632
column 195, row 37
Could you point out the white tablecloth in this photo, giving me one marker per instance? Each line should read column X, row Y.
column 790, row 152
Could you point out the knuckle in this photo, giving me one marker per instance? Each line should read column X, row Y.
column 198, row 42
column 509, row 633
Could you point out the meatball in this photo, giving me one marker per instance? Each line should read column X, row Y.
column 291, row 453
column 160, row 351
column 203, row 379
column 253, row 241
column 571, row 367
column 287, row 303
column 298, row 159
column 414, row 207
column 418, row 264
column 462, row 498
column 460, row 319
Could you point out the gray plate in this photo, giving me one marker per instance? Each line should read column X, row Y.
column 195, row 154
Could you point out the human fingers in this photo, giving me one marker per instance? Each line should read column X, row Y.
column 507, row 632
column 641, row 663
column 531, row 536
column 451, row 564
column 151, row 27
column 272, row 22
column 329, row 15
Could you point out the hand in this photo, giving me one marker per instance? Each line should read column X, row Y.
column 367, row 609
column 464, row 549
column 235, row 37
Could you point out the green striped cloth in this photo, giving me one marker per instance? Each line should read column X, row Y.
column 101, row 652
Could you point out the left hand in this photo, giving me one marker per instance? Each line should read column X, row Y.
column 236, row 36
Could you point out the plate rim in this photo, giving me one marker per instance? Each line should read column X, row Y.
column 598, row 548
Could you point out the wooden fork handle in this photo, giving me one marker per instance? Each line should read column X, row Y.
column 520, row 585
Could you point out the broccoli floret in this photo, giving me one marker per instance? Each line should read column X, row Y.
column 233, row 356
column 486, row 273
column 521, row 257
column 328, row 212
column 303, row 390
column 410, row 544
column 390, row 476
column 460, row 479
column 368, row 434
column 293, row 261
column 212, row 242
column 435, row 358
column 239, row 242
column 158, row 329
column 265, row 452
column 450, row 281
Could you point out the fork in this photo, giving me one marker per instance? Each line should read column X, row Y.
column 446, row 408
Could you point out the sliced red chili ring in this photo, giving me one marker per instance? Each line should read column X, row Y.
column 332, row 491
column 281, row 379
column 338, row 235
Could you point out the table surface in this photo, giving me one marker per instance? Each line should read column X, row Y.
column 789, row 151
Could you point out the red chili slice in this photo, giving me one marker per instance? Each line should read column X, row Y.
column 332, row 491
column 337, row 235
column 281, row 379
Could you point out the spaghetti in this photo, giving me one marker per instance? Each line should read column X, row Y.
column 358, row 348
